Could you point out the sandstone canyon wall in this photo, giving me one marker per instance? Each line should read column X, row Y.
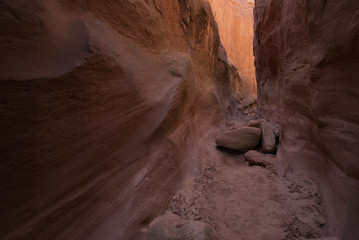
column 307, row 69
column 235, row 24
column 103, row 107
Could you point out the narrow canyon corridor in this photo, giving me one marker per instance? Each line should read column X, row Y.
column 179, row 119
column 241, row 200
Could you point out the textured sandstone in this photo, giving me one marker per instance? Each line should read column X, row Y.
column 306, row 57
column 101, row 102
column 242, row 139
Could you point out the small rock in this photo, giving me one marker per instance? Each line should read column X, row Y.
column 268, row 138
column 181, row 230
column 236, row 124
column 242, row 139
column 268, row 134
column 255, row 158
column 255, row 123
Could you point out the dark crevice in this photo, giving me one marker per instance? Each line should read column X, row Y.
column 324, row 5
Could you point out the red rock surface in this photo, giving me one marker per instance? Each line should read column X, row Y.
column 307, row 73
column 235, row 24
column 101, row 103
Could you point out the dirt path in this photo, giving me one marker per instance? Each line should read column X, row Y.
column 245, row 202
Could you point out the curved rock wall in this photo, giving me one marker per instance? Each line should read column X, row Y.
column 101, row 103
column 307, row 72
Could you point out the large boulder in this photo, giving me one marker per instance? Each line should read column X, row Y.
column 242, row 139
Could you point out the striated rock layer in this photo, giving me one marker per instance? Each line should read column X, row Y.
column 101, row 103
column 235, row 22
column 308, row 81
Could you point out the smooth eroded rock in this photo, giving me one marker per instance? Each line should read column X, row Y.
column 82, row 91
column 242, row 139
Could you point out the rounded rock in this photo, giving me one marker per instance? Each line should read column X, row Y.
column 242, row 139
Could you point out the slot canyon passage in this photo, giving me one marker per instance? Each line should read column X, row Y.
column 179, row 119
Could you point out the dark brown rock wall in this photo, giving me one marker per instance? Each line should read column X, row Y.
column 307, row 58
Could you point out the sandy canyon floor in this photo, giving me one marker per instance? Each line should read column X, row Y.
column 246, row 202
